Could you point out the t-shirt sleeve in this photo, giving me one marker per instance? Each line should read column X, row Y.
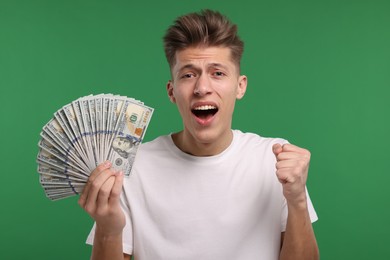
column 312, row 212
column 127, row 238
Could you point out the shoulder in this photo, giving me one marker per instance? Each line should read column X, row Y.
column 157, row 148
column 254, row 140
column 156, row 144
column 252, row 146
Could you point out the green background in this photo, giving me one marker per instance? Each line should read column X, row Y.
column 319, row 76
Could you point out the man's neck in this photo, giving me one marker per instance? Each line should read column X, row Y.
column 186, row 143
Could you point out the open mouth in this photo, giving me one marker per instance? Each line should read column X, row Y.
column 205, row 112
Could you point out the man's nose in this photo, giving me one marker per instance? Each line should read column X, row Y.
column 203, row 86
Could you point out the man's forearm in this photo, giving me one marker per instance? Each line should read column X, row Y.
column 299, row 241
column 107, row 247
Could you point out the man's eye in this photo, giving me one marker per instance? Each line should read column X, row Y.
column 219, row 73
column 188, row 75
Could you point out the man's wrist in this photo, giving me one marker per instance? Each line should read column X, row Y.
column 298, row 203
column 106, row 234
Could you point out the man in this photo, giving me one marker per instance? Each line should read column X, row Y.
column 206, row 192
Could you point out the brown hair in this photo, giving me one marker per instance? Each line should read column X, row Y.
column 206, row 28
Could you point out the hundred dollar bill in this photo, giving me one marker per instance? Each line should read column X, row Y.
column 108, row 103
column 79, row 107
column 83, row 119
column 53, row 171
column 129, row 132
column 57, row 182
column 90, row 115
column 47, row 158
column 56, row 194
column 115, row 115
column 99, row 124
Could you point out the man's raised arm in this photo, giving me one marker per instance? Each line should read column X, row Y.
column 298, row 242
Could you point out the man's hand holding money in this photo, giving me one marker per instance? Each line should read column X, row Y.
column 100, row 199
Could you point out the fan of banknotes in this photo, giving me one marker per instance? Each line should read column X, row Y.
column 85, row 133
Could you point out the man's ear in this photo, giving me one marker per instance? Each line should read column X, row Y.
column 241, row 89
column 170, row 91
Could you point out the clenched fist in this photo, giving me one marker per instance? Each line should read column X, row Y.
column 292, row 167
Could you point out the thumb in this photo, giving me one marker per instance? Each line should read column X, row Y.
column 277, row 149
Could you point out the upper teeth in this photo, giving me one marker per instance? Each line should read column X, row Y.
column 205, row 107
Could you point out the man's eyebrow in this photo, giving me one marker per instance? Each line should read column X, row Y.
column 187, row 66
column 192, row 66
column 196, row 68
column 217, row 65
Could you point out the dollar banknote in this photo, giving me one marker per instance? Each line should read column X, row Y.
column 85, row 133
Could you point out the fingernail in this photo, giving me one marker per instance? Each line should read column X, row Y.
column 107, row 163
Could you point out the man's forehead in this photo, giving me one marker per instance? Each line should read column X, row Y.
column 203, row 56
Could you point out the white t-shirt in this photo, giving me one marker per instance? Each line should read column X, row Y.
column 227, row 206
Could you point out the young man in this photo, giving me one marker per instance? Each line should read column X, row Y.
column 206, row 192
